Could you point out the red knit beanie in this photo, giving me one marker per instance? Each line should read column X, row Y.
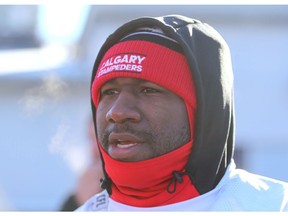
column 151, row 60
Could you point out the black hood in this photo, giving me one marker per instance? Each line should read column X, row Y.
column 210, row 62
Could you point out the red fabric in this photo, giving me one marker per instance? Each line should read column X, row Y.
column 143, row 183
column 161, row 65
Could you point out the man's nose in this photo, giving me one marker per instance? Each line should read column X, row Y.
column 123, row 109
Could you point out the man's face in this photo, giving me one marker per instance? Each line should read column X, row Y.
column 138, row 120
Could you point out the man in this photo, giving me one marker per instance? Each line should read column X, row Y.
column 162, row 99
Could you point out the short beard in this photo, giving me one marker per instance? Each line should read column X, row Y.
column 161, row 142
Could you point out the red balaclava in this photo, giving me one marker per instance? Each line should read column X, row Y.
column 158, row 59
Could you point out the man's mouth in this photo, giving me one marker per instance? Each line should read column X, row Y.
column 123, row 139
column 125, row 145
column 122, row 146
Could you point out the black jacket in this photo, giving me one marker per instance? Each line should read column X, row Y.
column 210, row 62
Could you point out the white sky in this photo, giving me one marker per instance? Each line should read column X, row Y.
column 62, row 22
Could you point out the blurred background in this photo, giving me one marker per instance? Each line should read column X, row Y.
column 46, row 57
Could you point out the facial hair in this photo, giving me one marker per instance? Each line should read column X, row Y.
column 159, row 141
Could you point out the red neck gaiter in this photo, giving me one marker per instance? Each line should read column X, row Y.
column 146, row 183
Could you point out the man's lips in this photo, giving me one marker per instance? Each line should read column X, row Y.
column 124, row 146
column 123, row 140
column 121, row 145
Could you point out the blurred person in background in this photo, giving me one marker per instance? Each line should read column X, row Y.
column 89, row 182
column 163, row 108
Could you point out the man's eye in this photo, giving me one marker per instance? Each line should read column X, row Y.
column 109, row 92
column 148, row 90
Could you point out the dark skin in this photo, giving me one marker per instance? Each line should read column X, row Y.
column 138, row 120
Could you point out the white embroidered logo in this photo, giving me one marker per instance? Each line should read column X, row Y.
column 131, row 62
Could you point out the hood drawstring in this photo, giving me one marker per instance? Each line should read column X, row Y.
column 177, row 177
